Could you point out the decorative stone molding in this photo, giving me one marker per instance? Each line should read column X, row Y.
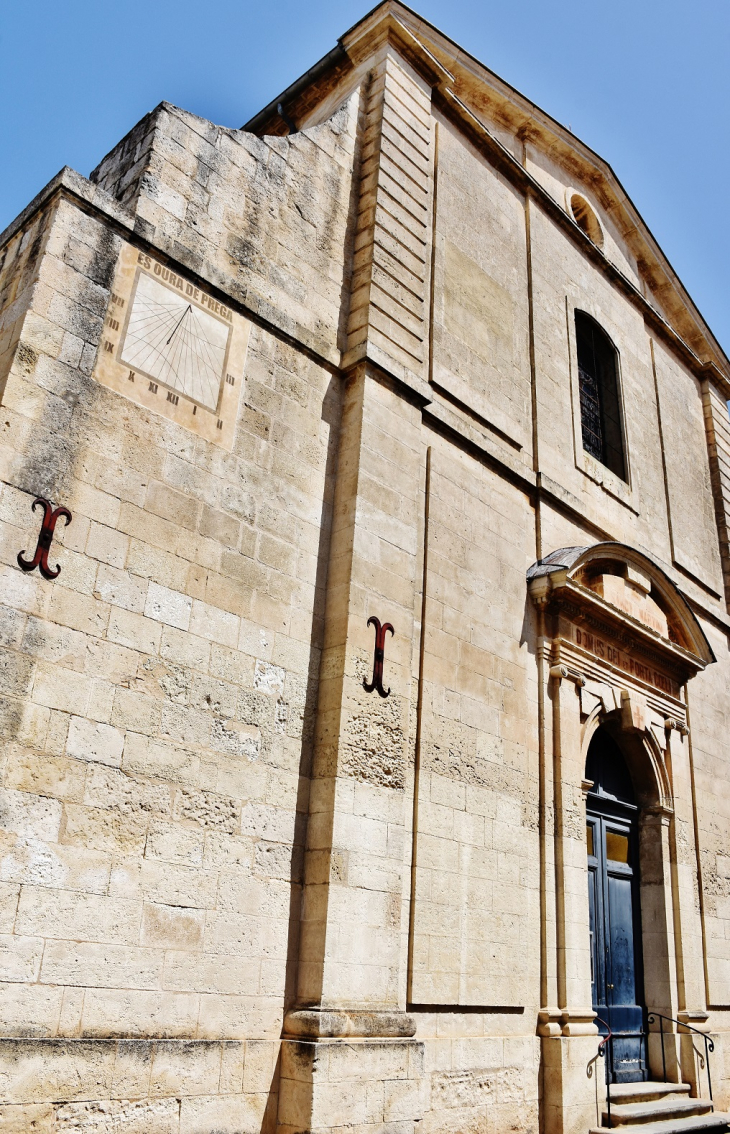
column 565, row 673
column 316, row 1023
column 383, row 26
column 633, row 710
column 670, row 723
column 617, row 609
column 548, row 1022
column 695, row 1018
column 578, row 1022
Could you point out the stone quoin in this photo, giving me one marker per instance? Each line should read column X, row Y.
column 400, row 353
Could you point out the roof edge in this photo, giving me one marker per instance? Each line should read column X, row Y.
column 351, row 50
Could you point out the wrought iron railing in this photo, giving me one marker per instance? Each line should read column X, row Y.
column 709, row 1045
column 603, row 1053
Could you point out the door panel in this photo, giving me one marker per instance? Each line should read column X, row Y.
column 615, row 942
column 621, row 940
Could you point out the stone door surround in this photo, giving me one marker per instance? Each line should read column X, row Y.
column 617, row 645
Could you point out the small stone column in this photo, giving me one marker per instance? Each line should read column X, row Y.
column 570, row 1096
column 691, row 995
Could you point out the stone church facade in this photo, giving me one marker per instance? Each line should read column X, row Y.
column 374, row 728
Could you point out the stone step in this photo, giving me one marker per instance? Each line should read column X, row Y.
column 716, row 1123
column 642, row 1113
column 646, row 1092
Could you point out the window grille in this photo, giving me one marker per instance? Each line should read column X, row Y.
column 600, row 408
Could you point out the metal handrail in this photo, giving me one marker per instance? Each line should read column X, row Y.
column 709, row 1045
column 604, row 1055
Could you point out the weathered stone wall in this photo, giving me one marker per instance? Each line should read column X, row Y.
column 158, row 702
column 19, row 262
column 694, row 534
column 480, row 315
column 266, row 219
column 169, row 747
column 482, row 1074
column 710, row 720
column 477, row 878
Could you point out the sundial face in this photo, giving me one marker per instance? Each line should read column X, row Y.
column 173, row 348
column 175, row 343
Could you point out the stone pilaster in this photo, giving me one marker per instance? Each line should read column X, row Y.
column 574, row 966
column 348, row 1055
column 388, row 307
column 657, row 920
column 569, row 1096
column 717, row 424
column 348, row 979
column 691, row 993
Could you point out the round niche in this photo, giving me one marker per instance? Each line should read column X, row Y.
column 585, row 217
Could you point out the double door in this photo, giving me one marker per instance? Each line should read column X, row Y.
column 616, row 969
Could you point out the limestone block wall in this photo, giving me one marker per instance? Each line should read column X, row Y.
column 18, row 270
column 157, row 705
column 559, row 182
column 710, row 722
column 695, row 538
column 158, row 700
column 267, row 219
column 476, row 899
column 480, row 350
column 481, row 1074
column 717, row 424
column 564, row 281
column 387, row 312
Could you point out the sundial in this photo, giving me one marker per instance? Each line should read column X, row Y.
column 172, row 347
column 175, row 343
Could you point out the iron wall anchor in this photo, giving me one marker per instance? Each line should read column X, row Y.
column 379, row 657
column 45, row 538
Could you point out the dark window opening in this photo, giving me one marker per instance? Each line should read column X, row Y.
column 600, row 411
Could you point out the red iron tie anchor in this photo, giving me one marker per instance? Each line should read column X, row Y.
column 45, row 538
column 377, row 682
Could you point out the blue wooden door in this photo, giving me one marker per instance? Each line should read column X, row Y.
column 613, row 896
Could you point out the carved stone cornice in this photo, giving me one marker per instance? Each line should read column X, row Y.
column 555, row 584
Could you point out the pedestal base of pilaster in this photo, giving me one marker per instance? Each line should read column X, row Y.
column 366, row 1084
column 693, row 1070
column 574, row 1083
column 578, row 1022
column 548, row 1022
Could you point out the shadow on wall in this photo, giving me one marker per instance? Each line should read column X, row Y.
column 331, row 410
column 269, row 1123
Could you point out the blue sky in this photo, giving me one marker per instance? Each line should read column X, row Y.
column 643, row 82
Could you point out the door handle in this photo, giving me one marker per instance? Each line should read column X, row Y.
column 609, row 986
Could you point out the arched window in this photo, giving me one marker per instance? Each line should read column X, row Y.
column 600, row 409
